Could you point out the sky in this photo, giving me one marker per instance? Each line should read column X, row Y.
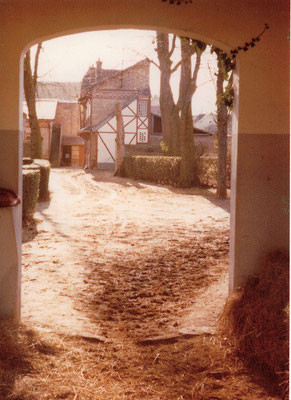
column 67, row 58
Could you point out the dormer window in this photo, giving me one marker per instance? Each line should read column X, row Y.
column 142, row 108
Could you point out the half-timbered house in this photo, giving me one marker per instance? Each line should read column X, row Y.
column 101, row 89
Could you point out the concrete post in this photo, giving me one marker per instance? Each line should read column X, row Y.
column 11, row 135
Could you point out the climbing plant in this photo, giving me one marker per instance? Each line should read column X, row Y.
column 227, row 65
column 224, row 102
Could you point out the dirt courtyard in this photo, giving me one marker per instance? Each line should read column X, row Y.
column 149, row 247
column 122, row 285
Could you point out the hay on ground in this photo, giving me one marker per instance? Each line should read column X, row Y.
column 256, row 321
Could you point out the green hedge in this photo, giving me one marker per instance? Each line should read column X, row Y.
column 208, row 171
column 44, row 166
column 31, row 179
column 27, row 161
column 165, row 170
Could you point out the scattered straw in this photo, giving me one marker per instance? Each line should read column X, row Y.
column 256, row 322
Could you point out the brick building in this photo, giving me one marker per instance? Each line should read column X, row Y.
column 46, row 111
column 101, row 89
column 58, row 113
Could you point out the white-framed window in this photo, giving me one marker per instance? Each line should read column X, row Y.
column 142, row 136
column 142, row 108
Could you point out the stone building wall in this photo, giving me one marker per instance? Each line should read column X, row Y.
column 123, row 87
column 68, row 115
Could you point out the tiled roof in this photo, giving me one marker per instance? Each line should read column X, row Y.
column 104, row 74
column 45, row 109
column 146, row 92
column 197, row 117
column 69, row 91
column 206, row 123
column 72, row 140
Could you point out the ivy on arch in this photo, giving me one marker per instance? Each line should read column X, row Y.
column 177, row 2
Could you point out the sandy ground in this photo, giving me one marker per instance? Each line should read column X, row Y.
column 113, row 255
column 123, row 283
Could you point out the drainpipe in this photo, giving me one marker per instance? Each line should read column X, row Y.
column 91, row 131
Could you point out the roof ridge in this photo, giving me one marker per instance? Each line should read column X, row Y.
column 118, row 71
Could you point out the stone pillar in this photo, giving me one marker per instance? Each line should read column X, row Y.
column 11, row 135
column 260, row 155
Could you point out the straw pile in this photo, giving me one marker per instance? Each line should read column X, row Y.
column 256, row 321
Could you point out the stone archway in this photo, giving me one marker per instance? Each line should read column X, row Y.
column 260, row 169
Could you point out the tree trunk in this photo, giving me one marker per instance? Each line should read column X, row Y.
column 167, row 104
column 186, row 92
column 221, row 136
column 187, row 148
column 29, row 90
column 119, row 139
column 177, row 123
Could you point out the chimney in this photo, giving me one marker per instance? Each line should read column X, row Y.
column 98, row 68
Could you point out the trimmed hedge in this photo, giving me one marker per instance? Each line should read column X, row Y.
column 208, row 171
column 44, row 166
column 31, row 179
column 165, row 170
column 31, row 166
column 27, row 161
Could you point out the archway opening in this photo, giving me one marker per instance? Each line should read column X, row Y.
column 136, row 258
column 61, row 99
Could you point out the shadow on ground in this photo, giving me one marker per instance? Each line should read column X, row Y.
column 138, row 295
column 14, row 356
column 107, row 175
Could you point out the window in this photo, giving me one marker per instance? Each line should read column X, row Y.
column 142, row 136
column 142, row 109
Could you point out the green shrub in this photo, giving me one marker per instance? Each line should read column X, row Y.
column 31, row 178
column 208, row 171
column 44, row 166
column 31, row 166
column 166, row 170
column 160, row 169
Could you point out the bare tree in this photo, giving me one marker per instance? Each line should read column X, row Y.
column 30, row 82
column 221, row 134
column 224, row 101
column 177, row 119
column 188, row 86
column 167, row 104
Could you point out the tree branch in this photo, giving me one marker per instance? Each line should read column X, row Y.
column 39, row 46
column 193, row 47
column 176, row 67
column 193, row 85
column 173, row 46
column 153, row 62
